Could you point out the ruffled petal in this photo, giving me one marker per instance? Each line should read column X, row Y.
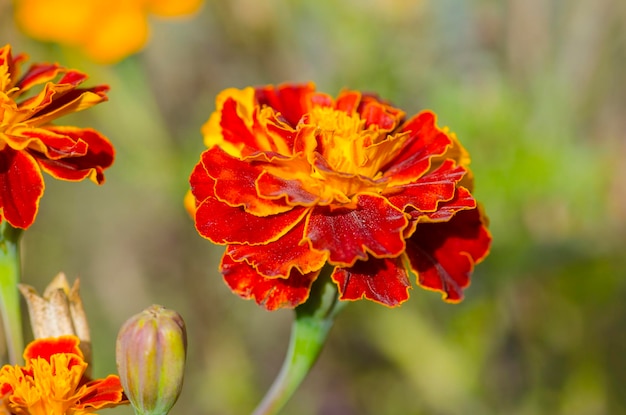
column 271, row 293
column 21, row 187
column 101, row 393
column 443, row 255
column 10, row 66
column 384, row 280
column 224, row 224
column 46, row 347
column 290, row 189
column 348, row 101
column 73, row 101
column 291, row 101
column 378, row 112
column 212, row 129
column 46, row 142
column 336, row 185
column 74, row 167
column 202, row 185
column 428, row 191
column 426, row 142
column 38, row 74
column 236, row 129
column 462, row 200
column 236, row 183
column 278, row 258
column 348, row 233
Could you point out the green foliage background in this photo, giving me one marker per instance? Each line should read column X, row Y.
column 535, row 90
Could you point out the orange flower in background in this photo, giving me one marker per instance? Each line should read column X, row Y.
column 29, row 143
column 52, row 382
column 106, row 31
column 294, row 180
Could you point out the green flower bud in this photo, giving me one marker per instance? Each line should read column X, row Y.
column 150, row 352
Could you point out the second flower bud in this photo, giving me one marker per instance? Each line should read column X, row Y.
column 150, row 352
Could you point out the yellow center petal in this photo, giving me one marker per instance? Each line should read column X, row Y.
column 344, row 157
column 342, row 139
column 49, row 388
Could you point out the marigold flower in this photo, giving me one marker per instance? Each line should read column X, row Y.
column 52, row 382
column 29, row 143
column 106, row 31
column 293, row 179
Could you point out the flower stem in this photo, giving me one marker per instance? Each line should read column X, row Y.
column 309, row 331
column 9, row 295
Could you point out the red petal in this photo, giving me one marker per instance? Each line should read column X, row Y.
column 46, row 347
column 51, row 144
column 73, row 77
column 236, row 183
column 320, row 99
column 426, row 142
column 223, row 224
column 63, row 101
column 347, row 233
column 271, row 293
column 443, row 254
column 10, row 63
column 234, row 129
column 462, row 200
column 99, row 156
column 375, row 113
column 379, row 112
column 38, row 74
column 278, row 258
column 289, row 190
column 426, row 193
column 101, row 393
column 292, row 101
column 21, row 187
column 382, row 280
column 202, row 185
column 348, row 101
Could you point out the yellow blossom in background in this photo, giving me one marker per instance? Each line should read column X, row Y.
column 106, row 31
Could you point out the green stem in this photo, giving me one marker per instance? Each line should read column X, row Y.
column 9, row 295
column 310, row 329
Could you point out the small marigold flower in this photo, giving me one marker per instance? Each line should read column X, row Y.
column 150, row 352
column 106, row 31
column 29, row 143
column 293, row 180
column 52, row 382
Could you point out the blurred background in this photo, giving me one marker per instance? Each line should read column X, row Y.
column 535, row 89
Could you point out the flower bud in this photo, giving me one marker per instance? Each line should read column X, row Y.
column 150, row 352
column 58, row 312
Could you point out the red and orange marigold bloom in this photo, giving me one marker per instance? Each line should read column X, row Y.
column 52, row 382
column 294, row 180
column 30, row 144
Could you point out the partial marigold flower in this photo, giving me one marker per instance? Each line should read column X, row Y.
column 106, row 31
column 294, row 180
column 150, row 353
column 53, row 382
column 30, row 144
column 58, row 312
